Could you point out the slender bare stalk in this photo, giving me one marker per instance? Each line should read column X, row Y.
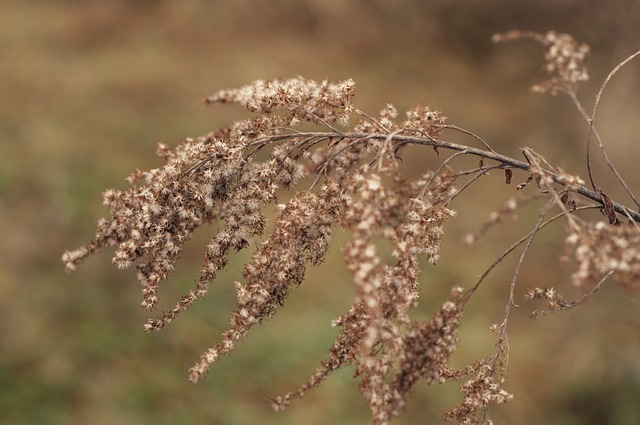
column 591, row 120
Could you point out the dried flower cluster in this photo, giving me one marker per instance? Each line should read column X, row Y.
column 300, row 99
column 555, row 301
column 349, row 180
column 479, row 392
column 563, row 59
column 600, row 249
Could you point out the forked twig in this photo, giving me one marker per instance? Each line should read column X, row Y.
column 513, row 246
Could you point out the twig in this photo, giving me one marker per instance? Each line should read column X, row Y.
column 468, row 133
column 592, row 132
column 438, row 170
column 509, row 250
column 428, row 141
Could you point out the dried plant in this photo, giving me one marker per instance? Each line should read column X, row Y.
column 349, row 178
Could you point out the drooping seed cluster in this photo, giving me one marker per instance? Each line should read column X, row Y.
column 564, row 59
column 209, row 178
column 391, row 352
column 152, row 219
column 483, row 389
column 599, row 248
column 301, row 237
column 354, row 183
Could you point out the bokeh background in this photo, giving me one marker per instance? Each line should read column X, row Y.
column 87, row 88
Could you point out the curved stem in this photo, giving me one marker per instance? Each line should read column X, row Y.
column 600, row 144
column 592, row 132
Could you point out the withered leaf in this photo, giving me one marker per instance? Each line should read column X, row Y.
column 538, row 179
column 523, row 185
column 508, row 174
column 607, row 208
column 568, row 201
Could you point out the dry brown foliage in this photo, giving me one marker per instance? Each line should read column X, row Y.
column 353, row 182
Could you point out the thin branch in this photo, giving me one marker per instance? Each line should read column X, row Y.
column 437, row 171
column 593, row 131
column 479, row 173
column 502, row 338
column 372, row 119
column 428, row 141
column 590, row 120
column 468, row 133
column 516, row 244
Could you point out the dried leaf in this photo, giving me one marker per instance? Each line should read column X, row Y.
column 508, row 174
column 538, row 179
column 607, row 209
column 568, row 201
column 523, row 185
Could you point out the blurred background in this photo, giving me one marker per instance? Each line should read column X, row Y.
column 87, row 88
